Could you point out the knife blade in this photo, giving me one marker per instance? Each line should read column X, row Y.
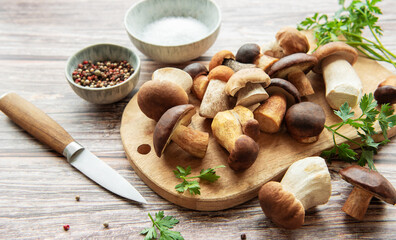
column 46, row 130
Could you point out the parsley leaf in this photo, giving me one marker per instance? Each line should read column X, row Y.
column 364, row 125
column 193, row 186
column 347, row 24
column 163, row 224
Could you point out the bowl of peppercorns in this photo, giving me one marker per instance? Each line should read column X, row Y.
column 103, row 73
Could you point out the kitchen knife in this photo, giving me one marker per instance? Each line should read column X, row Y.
column 45, row 129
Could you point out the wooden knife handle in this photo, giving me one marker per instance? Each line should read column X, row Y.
column 35, row 121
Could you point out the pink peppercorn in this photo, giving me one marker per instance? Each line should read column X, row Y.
column 66, row 227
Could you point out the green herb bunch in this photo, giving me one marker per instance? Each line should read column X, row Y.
column 193, row 186
column 163, row 224
column 350, row 22
column 364, row 126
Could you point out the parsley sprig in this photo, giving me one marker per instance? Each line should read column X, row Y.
column 364, row 126
column 163, row 224
column 193, row 186
column 350, row 22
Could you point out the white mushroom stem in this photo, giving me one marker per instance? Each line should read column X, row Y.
column 342, row 82
column 215, row 99
column 251, row 94
column 301, row 82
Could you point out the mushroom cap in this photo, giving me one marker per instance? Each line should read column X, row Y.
column 170, row 120
column 305, row 121
column 196, row 69
column 334, row 48
column 386, row 91
column 156, row 97
column 248, row 53
column 221, row 72
column 292, row 41
column 174, row 75
column 239, row 79
column 219, row 57
column 292, row 63
column 285, row 87
column 371, row 181
column 281, row 206
column 244, row 153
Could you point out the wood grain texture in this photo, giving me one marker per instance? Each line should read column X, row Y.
column 38, row 188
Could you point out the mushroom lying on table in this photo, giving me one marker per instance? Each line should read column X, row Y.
column 305, row 184
column 172, row 126
column 199, row 74
column 227, row 58
column 236, row 130
column 341, row 81
column 248, row 84
column 293, row 68
column 386, row 91
column 251, row 53
column 367, row 184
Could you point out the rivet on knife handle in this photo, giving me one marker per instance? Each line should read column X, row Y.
column 35, row 121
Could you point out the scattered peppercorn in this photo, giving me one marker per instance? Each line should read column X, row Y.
column 106, row 225
column 66, row 227
column 243, row 236
column 102, row 74
column 77, row 198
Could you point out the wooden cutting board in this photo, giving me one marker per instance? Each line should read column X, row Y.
column 277, row 151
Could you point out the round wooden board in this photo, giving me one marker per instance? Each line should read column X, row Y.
column 277, row 152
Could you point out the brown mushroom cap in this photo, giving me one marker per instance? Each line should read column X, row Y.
column 281, row 206
column 221, row 72
column 196, row 70
column 219, row 57
column 248, row 53
column 305, row 121
column 244, row 153
column 285, row 87
column 371, row 181
column 239, row 79
column 386, row 91
column 170, row 120
column 156, row 97
column 292, row 41
column 334, row 48
column 292, row 63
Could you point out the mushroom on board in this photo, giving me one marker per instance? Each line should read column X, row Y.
column 172, row 126
column 199, row 74
column 154, row 98
column 251, row 53
column 305, row 121
column 386, row 91
column 288, row 41
column 234, row 129
column 335, row 60
column 293, row 68
column 227, row 58
column 174, row 75
column 367, row 184
column 248, row 84
column 305, row 184
column 271, row 112
column 215, row 99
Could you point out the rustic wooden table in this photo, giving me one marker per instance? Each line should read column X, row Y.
column 38, row 187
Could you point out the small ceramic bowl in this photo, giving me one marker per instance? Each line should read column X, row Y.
column 140, row 15
column 103, row 52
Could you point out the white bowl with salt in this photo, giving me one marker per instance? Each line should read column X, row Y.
column 173, row 31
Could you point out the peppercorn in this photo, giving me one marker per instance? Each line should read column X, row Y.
column 66, row 227
column 106, row 225
column 77, row 198
column 243, row 236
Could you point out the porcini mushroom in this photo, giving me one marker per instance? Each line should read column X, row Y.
column 305, row 121
column 156, row 97
column 270, row 113
column 305, row 184
column 248, row 84
column 293, row 68
column 342, row 84
column 172, row 126
column 198, row 73
column 227, row 128
column 215, row 99
column 288, row 41
column 367, row 183
column 174, row 75
column 227, row 58
column 251, row 53
column 386, row 91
